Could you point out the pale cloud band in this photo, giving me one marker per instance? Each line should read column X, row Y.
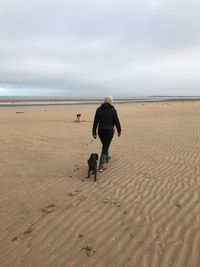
column 93, row 48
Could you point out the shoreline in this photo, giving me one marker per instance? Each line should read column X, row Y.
column 9, row 102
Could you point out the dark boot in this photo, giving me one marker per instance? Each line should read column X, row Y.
column 102, row 162
column 108, row 158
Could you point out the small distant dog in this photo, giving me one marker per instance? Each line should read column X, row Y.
column 78, row 117
column 92, row 165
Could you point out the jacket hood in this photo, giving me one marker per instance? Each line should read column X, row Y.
column 108, row 99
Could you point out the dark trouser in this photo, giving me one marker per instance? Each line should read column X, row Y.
column 105, row 136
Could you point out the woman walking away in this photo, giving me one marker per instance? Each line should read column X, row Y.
column 106, row 119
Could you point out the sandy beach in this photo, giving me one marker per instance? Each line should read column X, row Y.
column 143, row 211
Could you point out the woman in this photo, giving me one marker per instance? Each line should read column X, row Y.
column 106, row 119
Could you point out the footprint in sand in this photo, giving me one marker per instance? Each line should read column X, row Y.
column 89, row 250
column 15, row 238
column 74, row 193
column 132, row 236
column 76, row 168
column 80, row 236
column 50, row 208
column 114, row 202
column 26, row 232
column 79, row 201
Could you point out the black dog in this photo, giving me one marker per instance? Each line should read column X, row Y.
column 92, row 165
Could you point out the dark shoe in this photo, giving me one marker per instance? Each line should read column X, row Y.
column 108, row 158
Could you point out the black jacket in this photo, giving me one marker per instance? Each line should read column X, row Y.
column 106, row 118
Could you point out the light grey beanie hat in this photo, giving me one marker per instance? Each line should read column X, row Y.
column 108, row 99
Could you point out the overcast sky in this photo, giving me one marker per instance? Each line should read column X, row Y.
column 92, row 48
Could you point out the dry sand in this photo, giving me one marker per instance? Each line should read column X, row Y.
column 143, row 211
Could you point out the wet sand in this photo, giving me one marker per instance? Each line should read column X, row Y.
column 143, row 211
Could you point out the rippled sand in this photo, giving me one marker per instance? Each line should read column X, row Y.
column 143, row 211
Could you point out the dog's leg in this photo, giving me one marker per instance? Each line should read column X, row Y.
column 88, row 173
column 95, row 174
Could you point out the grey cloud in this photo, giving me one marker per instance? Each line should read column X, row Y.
column 99, row 47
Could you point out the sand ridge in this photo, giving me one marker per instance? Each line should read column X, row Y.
column 144, row 210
